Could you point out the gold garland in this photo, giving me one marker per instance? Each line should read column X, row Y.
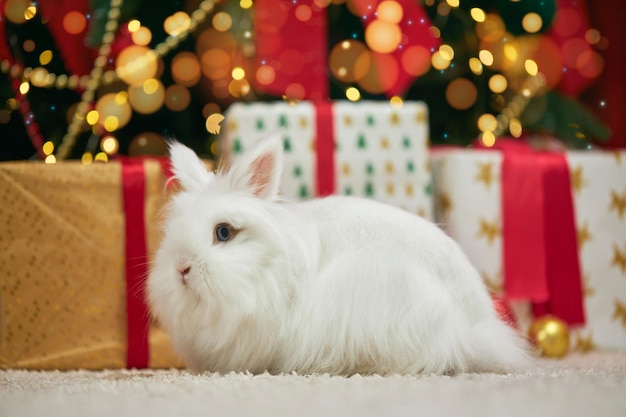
column 514, row 108
column 98, row 77
column 93, row 82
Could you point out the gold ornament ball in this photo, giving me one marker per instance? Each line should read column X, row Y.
column 550, row 335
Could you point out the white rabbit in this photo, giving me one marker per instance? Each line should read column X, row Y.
column 245, row 281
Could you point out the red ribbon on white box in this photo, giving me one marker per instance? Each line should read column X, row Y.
column 137, row 317
column 540, row 249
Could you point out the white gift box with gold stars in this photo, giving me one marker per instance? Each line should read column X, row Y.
column 380, row 151
column 468, row 206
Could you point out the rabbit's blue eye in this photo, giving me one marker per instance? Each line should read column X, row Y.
column 223, row 232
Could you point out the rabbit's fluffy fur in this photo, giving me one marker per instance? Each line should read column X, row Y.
column 338, row 285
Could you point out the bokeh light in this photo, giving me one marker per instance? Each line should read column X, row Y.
column 491, row 29
column 303, row 13
column 390, row 11
column 439, row 62
column 222, row 21
column 16, row 11
column 135, row 64
column 353, row 94
column 485, row 57
column 92, row 117
column 114, row 110
column 515, row 127
column 416, row 60
column 265, row 75
column 382, row 73
column 101, row 157
column 216, row 63
column 74, row 22
column 109, row 144
column 86, row 158
column 177, row 23
column 498, row 83
column 134, row 25
column 186, row 69
column 29, row 45
column 488, row 139
column 239, row 88
column 477, row 14
column 396, row 102
column 147, row 98
column 593, row 36
column 45, row 57
column 177, row 97
column 142, row 36
column 446, row 52
column 209, row 109
column 238, row 73
column 295, row 91
column 487, row 122
column 38, row 77
column 383, row 37
column 48, row 148
column 531, row 67
column 461, row 93
column 532, row 22
column 344, row 62
column 590, row 64
column 476, row 66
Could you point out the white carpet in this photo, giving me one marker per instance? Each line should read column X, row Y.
column 579, row 385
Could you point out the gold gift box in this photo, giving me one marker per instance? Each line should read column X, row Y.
column 63, row 265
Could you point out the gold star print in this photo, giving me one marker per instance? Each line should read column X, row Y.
column 620, row 312
column 485, row 173
column 389, row 168
column 420, row 117
column 232, row 126
column 588, row 290
column 489, row 231
column 390, row 189
column 409, row 190
column 493, row 284
column 312, row 145
column 384, row 143
column 618, row 157
column 395, row 119
column 347, row 120
column 444, row 202
column 584, row 344
column 345, row 170
column 618, row 203
column 304, row 122
column 578, row 180
column 584, row 235
column 421, row 212
column 619, row 258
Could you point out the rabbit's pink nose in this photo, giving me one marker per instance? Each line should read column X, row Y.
column 184, row 271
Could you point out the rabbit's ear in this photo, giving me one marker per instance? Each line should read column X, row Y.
column 187, row 167
column 258, row 170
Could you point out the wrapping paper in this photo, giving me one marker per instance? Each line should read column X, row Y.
column 368, row 149
column 63, row 262
column 468, row 188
